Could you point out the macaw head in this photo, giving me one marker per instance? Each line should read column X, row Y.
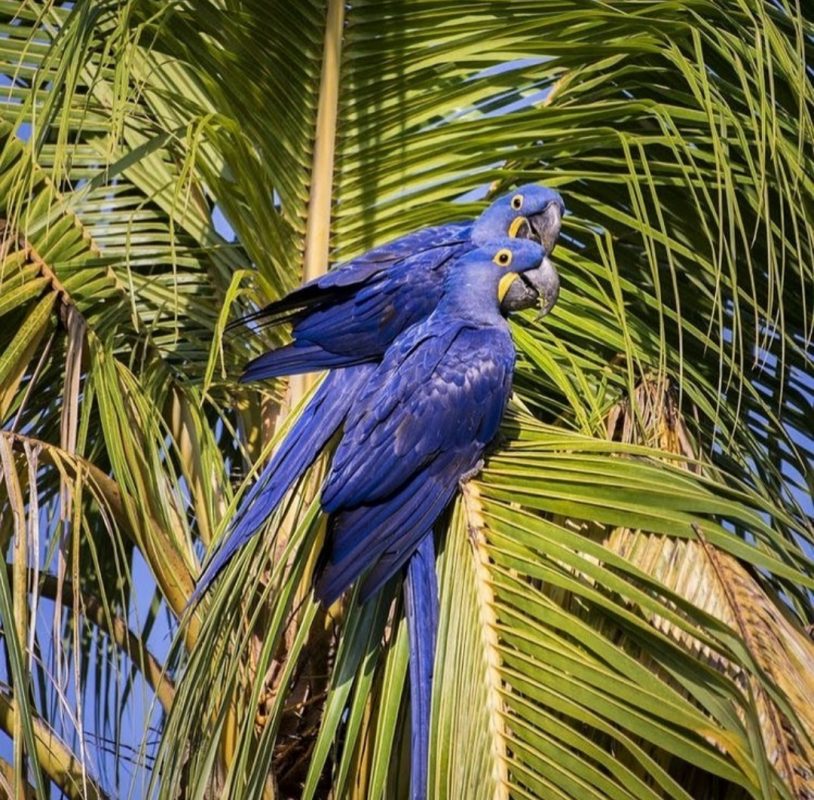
column 483, row 278
column 529, row 212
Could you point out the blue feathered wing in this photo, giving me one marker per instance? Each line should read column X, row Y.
column 348, row 317
column 422, row 420
column 420, row 423
column 354, row 313
column 341, row 283
column 308, row 436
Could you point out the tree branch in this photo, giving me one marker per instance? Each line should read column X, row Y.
column 170, row 571
column 57, row 761
column 93, row 610
column 7, row 781
column 318, row 224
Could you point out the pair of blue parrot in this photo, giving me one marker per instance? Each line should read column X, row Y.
column 421, row 364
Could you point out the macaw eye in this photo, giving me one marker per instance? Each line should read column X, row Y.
column 517, row 202
column 503, row 257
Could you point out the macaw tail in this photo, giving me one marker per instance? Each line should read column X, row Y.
column 295, row 359
column 310, row 433
column 421, row 599
column 285, row 308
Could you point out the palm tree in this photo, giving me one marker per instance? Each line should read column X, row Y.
column 626, row 590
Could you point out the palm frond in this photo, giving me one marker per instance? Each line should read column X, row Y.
column 578, row 657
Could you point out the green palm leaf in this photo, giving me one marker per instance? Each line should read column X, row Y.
column 625, row 588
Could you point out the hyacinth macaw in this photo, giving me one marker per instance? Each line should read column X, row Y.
column 353, row 313
column 419, row 426
column 348, row 318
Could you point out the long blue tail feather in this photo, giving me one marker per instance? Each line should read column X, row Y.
column 295, row 359
column 378, row 539
column 421, row 600
column 310, row 433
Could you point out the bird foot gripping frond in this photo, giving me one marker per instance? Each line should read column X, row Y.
column 471, row 473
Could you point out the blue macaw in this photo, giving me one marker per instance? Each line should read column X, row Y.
column 353, row 313
column 417, row 428
column 349, row 317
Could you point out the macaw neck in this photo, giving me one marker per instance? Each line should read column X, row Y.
column 472, row 297
column 484, row 231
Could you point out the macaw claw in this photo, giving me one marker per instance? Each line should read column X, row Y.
column 471, row 473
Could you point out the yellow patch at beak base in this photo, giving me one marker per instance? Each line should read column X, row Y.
column 505, row 282
column 515, row 226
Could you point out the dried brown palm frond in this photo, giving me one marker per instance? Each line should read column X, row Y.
column 720, row 585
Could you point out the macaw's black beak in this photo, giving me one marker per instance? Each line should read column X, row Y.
column 546, row 283
column 545, row 226
column 537, row 287
column 540, row 286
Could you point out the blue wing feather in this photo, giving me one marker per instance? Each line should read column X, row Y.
column 296, row 359
column 422, row 420
column 359, row 269
column 340, row 283
column 380, row 308
column 310, row 433
column 431, row 393
column 363, row 536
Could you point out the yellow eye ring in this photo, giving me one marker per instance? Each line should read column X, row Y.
column 503, row 257
column 517, row 202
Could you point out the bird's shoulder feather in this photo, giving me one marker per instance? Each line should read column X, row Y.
column 438, row 389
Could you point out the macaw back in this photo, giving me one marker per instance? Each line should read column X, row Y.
column 354, row 313
column 421, row 422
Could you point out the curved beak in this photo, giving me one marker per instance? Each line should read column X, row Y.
column 540, row 286
column 546, row 283
column 537, row 287
column 545, row 226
